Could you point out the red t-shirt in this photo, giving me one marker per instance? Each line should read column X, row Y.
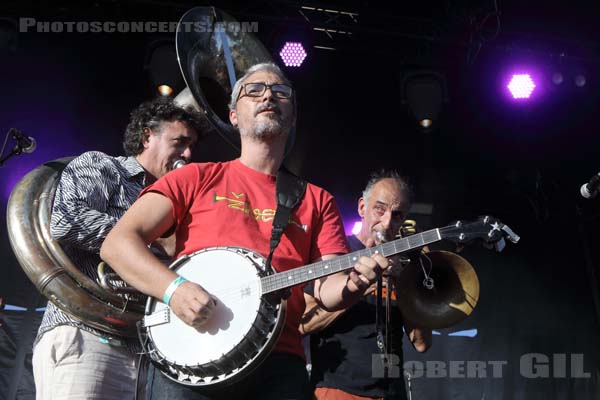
column 229, row 204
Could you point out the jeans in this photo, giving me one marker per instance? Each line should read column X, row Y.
column 281, row 377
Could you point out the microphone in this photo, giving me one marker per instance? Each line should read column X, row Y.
column 26, row 143
column 590, row 190
column 178, row 164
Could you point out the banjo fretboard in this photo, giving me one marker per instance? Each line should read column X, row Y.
column 282, row 280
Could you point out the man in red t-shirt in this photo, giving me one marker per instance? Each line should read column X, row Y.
column 232, row 204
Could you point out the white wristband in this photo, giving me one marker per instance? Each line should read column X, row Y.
column 171, row 289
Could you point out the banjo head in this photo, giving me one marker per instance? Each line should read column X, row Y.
column 240, row 334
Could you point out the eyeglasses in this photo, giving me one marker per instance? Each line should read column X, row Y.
column 257, row 89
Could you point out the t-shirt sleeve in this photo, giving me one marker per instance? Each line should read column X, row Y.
column 329, row 236
column 179, row 187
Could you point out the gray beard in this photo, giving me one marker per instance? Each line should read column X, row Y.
column 270, row 128
column 266, row 128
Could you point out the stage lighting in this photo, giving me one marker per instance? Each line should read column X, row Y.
column 521, row 86
column 161, row 62
column 356, row 227
column 426, row 123
column 557, row 78
column 165, row 90
column 293, row 54
column 580, row 80
column 424, row 93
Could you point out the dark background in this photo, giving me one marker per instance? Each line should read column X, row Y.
column 522, row 162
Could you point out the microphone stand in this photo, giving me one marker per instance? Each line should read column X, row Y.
column 587, row 255
column 17, row 150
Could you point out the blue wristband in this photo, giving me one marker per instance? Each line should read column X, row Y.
column 171, row 289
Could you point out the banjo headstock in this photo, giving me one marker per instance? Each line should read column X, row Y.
column 486, row 228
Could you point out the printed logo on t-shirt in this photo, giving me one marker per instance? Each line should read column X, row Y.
column 239, row 202
column 384, row 294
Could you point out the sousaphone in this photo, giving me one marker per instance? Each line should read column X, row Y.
column 213, row 50
column 49, row 268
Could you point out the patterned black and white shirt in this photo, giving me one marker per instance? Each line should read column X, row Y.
column 94, row 191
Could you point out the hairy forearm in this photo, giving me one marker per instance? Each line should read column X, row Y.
column 130, row 257
column 315, row 318
column 321, row 320
column 336, row 292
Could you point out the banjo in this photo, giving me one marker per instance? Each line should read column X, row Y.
column 249, row 317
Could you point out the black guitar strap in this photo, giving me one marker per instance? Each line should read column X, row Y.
column 289, row 191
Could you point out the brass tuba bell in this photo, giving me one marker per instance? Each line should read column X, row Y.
column 437, row 289
column 212, row 59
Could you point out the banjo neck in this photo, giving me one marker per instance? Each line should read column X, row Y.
column 283, row 280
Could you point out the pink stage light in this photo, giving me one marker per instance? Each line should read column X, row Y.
column 292, row 54
column 521, row 86
column 356, row 228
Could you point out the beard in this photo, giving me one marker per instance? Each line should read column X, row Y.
column 270, row 125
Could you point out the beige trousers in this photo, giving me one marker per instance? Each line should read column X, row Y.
column 69, row 363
